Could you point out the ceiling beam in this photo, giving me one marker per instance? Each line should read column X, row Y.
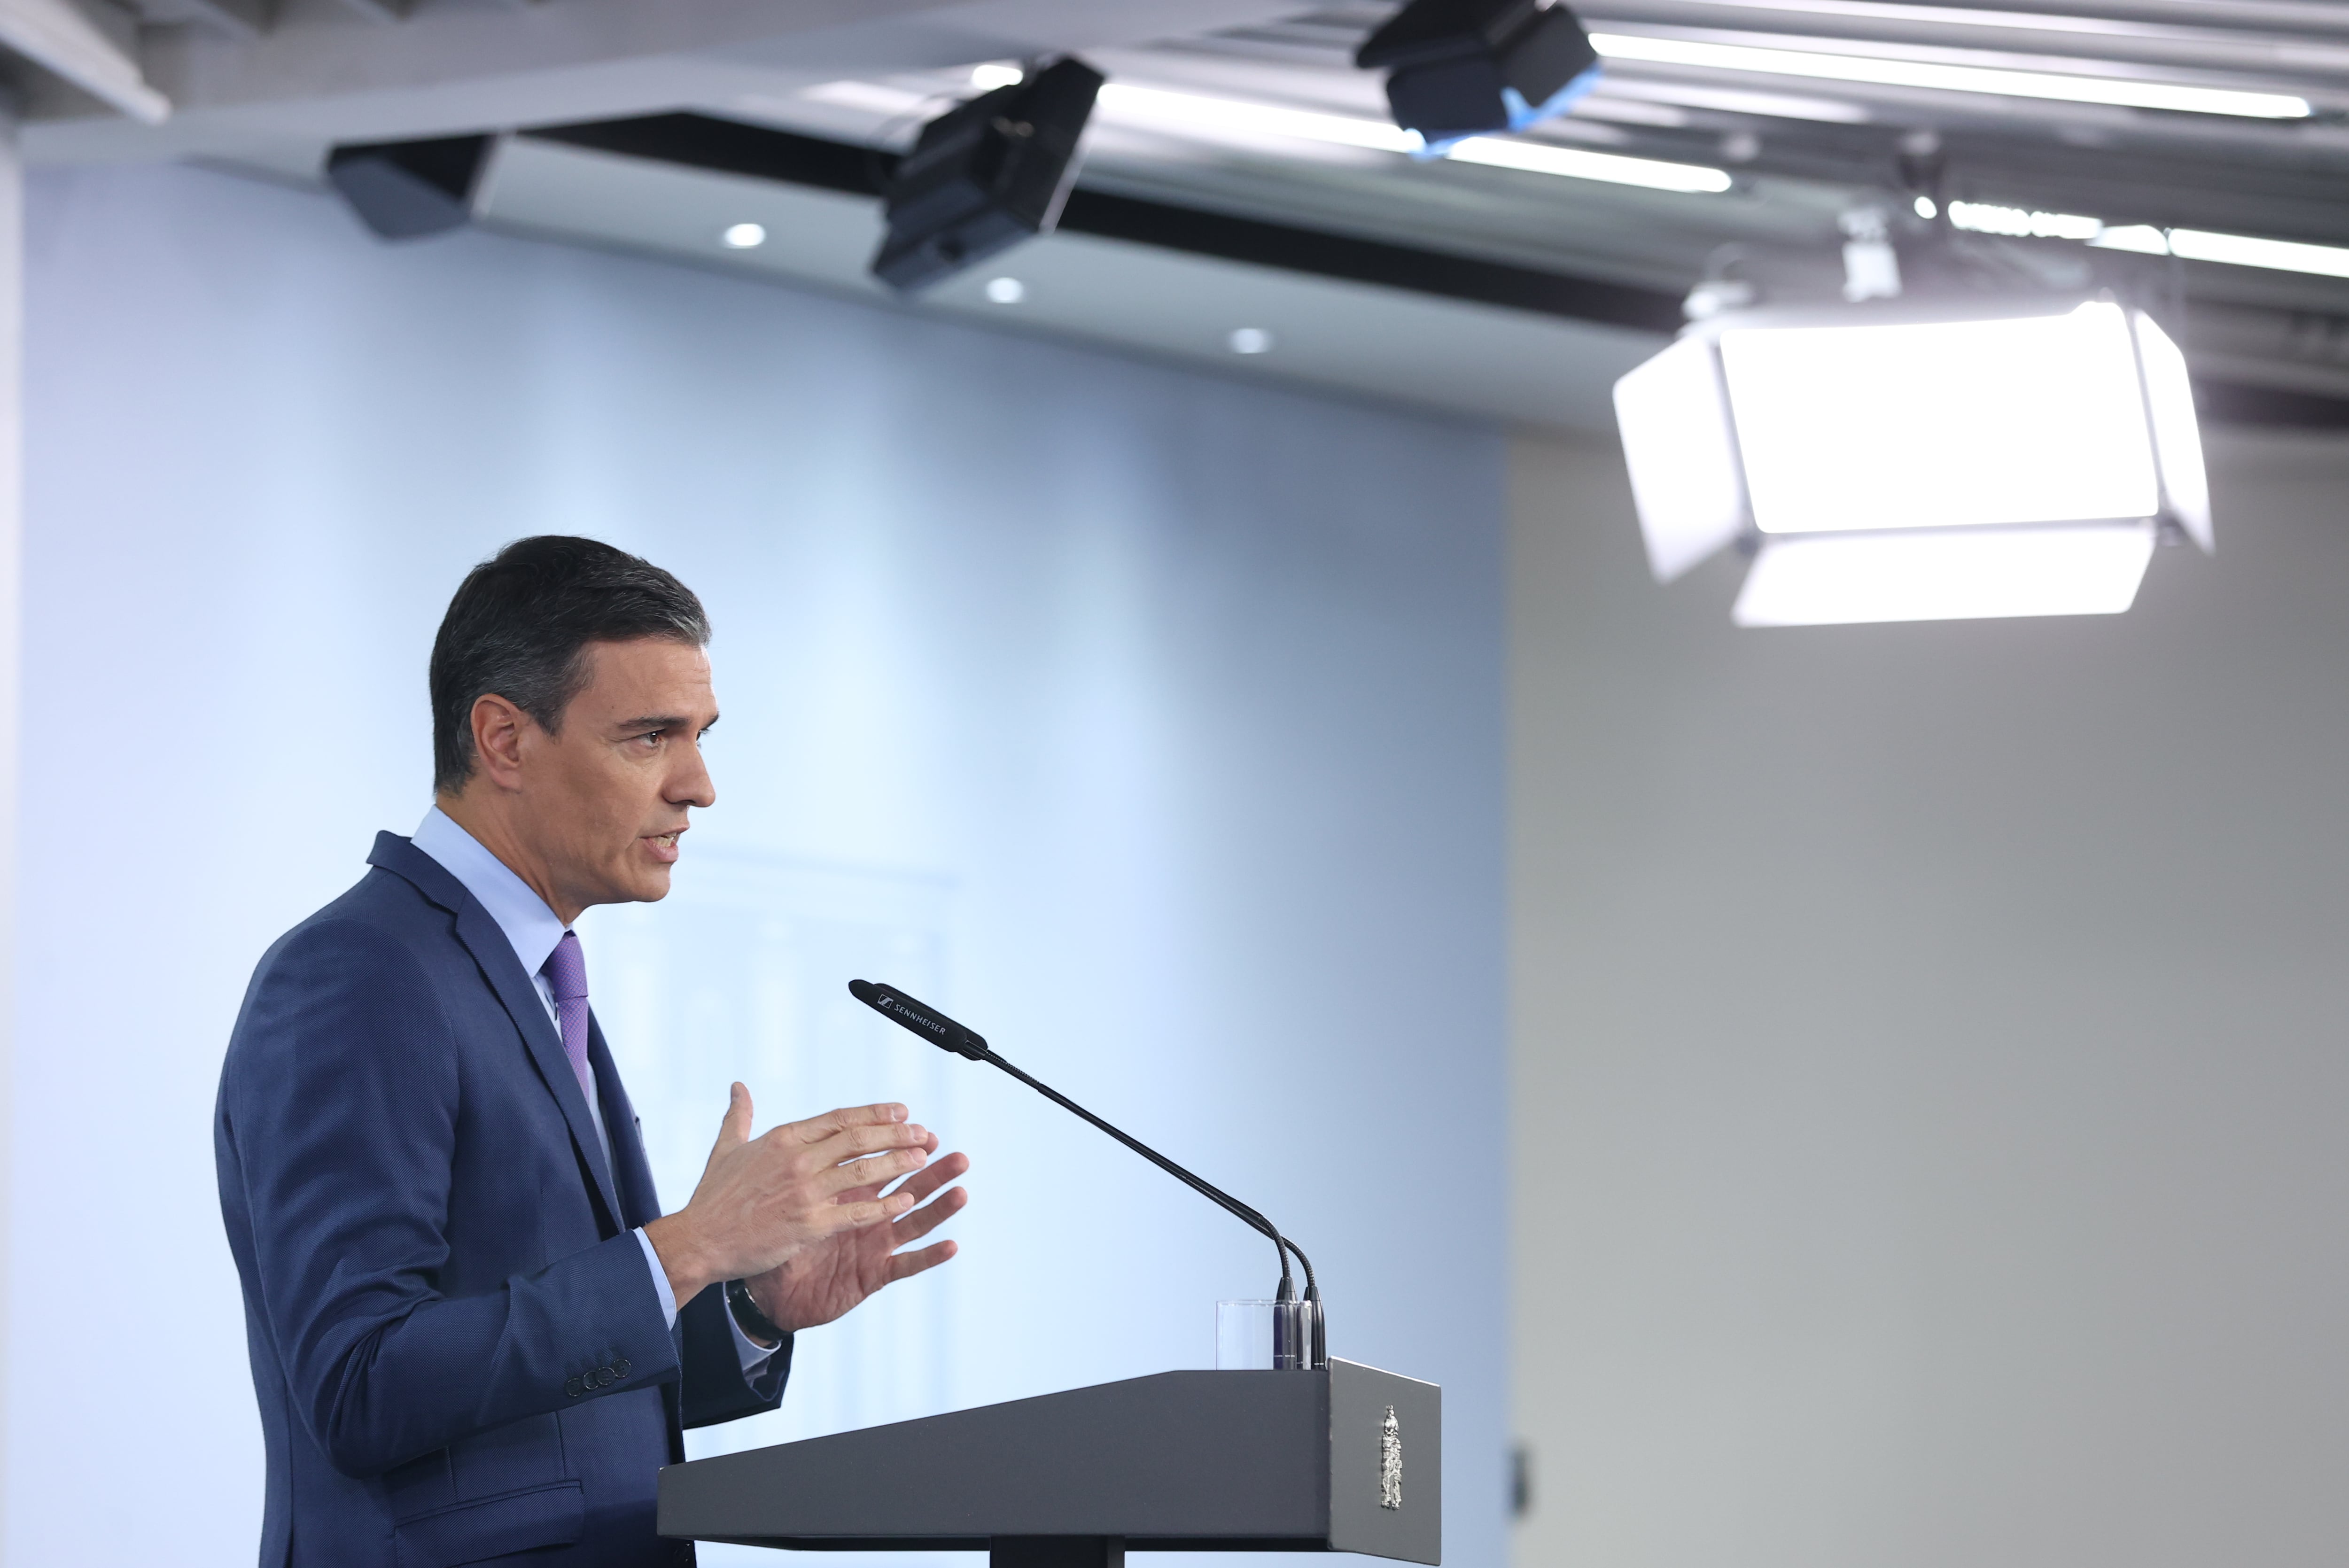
column 74, row 44
column 244, row 20
column 392, row 69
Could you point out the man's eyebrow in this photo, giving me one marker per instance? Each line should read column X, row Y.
column 654, row 721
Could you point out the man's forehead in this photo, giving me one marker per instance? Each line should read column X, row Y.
column 627, row 674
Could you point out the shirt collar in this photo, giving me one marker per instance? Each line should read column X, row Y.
column 531, row 928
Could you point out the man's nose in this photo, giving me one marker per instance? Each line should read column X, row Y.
column 692, row 785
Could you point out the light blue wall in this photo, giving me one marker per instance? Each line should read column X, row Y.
column 1150, row 721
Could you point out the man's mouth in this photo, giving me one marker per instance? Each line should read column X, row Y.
column 664, row 845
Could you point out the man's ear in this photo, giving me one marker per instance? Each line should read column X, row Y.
column 498, row 728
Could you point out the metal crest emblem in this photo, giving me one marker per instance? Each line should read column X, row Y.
column 1390, row 1462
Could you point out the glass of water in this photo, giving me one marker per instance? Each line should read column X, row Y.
column 1264, row 1335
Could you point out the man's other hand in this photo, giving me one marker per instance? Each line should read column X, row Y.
column 761, row 1201
column 827, row 1277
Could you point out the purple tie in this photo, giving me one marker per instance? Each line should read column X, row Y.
column 567, row 975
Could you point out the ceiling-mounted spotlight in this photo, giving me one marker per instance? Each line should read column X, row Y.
column 1459, row 67
column 405, row 190
column 986, row 175
column 1904, row 461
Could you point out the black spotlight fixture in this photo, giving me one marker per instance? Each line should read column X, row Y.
column 986, row 175
column 1462, row 67
column 405, row 189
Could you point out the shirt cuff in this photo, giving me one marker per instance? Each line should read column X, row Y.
column 660, row 1282
column 751, row 1355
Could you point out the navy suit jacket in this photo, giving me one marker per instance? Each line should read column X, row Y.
column 456, row 1343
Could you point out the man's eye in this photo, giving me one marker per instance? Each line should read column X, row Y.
column 651, row 737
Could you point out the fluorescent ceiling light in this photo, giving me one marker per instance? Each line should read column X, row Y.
column 1995, row 80
column 2146, row 241
column 2244, row 251
column 2137, row 237
column 1826, row 579
column 2194, row 244
column 1541, row 158
column 1160, row 109
column 1734, row 100
column 1984, row 219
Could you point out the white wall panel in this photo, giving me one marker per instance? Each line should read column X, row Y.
column 1927, row 1063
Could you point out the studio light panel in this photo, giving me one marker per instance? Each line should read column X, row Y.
column 1944, row 574
column 1941, row 424
column 1892, row 464
column 1683, row 463
column 2177, row 433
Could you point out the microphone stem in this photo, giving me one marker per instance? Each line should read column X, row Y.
column 1282, row 1245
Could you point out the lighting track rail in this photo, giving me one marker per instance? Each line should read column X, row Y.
column 758, row 152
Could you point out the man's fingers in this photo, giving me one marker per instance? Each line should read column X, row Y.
column 733, row 1128
column 816, row 1128
column 929, row 1217
column 917, row 1186
column 920, row 1185
column 905, row 1265
column 872, row 1138
column 860, row 1216
column 878, row 1170
column 935, row 1175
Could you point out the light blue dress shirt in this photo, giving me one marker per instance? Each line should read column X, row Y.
column 532, row 929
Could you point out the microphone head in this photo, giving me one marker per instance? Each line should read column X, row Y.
column 925, row 1021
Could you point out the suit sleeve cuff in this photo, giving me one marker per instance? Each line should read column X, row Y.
column 666, row 1296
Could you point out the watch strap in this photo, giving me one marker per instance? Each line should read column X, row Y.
column 753, row 1322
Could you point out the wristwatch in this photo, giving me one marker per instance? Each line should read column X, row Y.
column 754, row 1322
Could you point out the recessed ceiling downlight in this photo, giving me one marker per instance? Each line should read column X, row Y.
column 744, row 236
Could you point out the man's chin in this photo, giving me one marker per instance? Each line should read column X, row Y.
column 649, row 885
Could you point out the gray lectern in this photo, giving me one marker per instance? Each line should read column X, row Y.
column 1344, row 1458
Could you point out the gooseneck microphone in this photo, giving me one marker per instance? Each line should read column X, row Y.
column 948, row 1035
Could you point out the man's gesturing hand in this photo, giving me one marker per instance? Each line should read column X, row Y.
column 827, row 1277
column 762, row 1201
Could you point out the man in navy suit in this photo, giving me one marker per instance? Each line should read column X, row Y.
column 474, row 1335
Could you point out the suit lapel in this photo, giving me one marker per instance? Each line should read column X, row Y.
column 495, row 956
column 639, row 1201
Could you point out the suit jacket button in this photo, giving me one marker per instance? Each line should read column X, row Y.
column 603, row 1376
column 573, row 1389
column 621, row 1366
